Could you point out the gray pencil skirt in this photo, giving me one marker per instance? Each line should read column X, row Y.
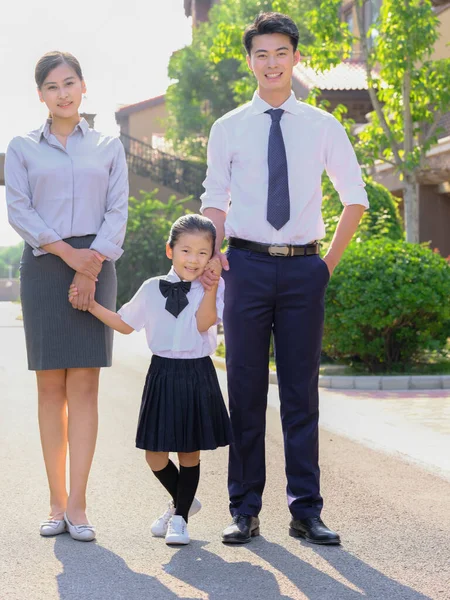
column 57, row 335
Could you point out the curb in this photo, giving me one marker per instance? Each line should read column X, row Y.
column 369, row 382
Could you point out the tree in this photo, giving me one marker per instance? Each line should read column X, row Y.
column 211, row 74
column 409, row 91
column 149, row 222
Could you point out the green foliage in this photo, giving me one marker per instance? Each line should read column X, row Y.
column 149, row 222
column 387, row 303
column 382, row 220
column 202, row 93
column 211, row 74
column 411, row 91
column 10, row 255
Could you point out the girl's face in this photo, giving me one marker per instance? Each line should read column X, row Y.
column 190, row 255
column 62, row 92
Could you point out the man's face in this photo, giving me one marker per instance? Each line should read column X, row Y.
column 272, row 60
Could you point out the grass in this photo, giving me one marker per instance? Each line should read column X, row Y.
column 432, row 365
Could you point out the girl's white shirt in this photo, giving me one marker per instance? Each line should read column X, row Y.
column 169, row 336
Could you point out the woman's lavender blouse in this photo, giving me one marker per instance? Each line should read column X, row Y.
column 54, row 193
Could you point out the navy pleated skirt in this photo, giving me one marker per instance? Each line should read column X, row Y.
column 182, row 407
column 57, row 335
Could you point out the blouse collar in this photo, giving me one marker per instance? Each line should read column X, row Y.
column 82, row 126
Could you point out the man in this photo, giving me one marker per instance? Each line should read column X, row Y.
column 267, row 158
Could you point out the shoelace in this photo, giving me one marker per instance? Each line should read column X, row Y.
column 169, row 513
column 174, row 529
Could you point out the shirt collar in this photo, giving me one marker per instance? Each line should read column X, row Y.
column 44, row 131
column 173, row 278
column 259, row 106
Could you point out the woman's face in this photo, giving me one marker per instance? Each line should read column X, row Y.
column 62, row 92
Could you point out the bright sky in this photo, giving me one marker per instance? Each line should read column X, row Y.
column 123, row 47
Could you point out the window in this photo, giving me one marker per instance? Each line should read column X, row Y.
column 370, row 16
column 348, row 18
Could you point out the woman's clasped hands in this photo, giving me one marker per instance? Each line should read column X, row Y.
column 87, row 264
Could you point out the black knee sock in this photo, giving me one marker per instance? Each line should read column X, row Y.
column 169, row 478
column 187, row 486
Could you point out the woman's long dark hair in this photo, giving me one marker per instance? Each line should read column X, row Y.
column 50, row 61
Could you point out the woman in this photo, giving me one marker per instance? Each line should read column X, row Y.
column 67, row 196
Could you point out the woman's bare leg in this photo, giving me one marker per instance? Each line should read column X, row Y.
column 82, row 398
column 52, row 416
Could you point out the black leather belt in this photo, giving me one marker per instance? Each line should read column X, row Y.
column 275, row 249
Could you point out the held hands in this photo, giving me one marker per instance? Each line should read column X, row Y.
column 213, row 270
column 215, row 266
column 85, row 261
column 81, row 293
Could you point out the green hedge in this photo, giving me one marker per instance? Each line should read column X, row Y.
column 382, row 220
column 387, row 303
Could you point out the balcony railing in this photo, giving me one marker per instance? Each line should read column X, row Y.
column 183, row 176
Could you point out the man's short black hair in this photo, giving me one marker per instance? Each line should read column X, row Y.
column 271, row 22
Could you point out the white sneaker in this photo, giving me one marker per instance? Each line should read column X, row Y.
column 177, row 532
column 159, row 527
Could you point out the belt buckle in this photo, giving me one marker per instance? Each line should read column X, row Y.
column 279, row 250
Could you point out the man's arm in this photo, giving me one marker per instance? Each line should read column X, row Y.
column 218, row 217
column 348, row 224
column 216, row 199
column 344, row 171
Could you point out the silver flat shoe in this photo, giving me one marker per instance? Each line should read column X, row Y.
column 52, row 527
column 82, row 533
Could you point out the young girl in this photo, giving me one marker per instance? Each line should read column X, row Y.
column 67, row 196
column 182, row 407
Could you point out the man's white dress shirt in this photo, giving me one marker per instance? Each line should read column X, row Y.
column 238, row 173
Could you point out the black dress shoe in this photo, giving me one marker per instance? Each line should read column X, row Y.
column 241, row 530
column 314, row 530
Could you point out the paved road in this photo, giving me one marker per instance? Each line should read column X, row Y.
column 393, row 514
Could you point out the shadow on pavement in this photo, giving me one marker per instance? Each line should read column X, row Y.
column 94, row 573
column 222, row 580
column 90, row 571
column 242, row 580
column 317, row 585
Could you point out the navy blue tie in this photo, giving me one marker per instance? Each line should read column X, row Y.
column 278, row 204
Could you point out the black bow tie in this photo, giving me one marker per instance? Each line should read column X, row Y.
column 175, row 294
